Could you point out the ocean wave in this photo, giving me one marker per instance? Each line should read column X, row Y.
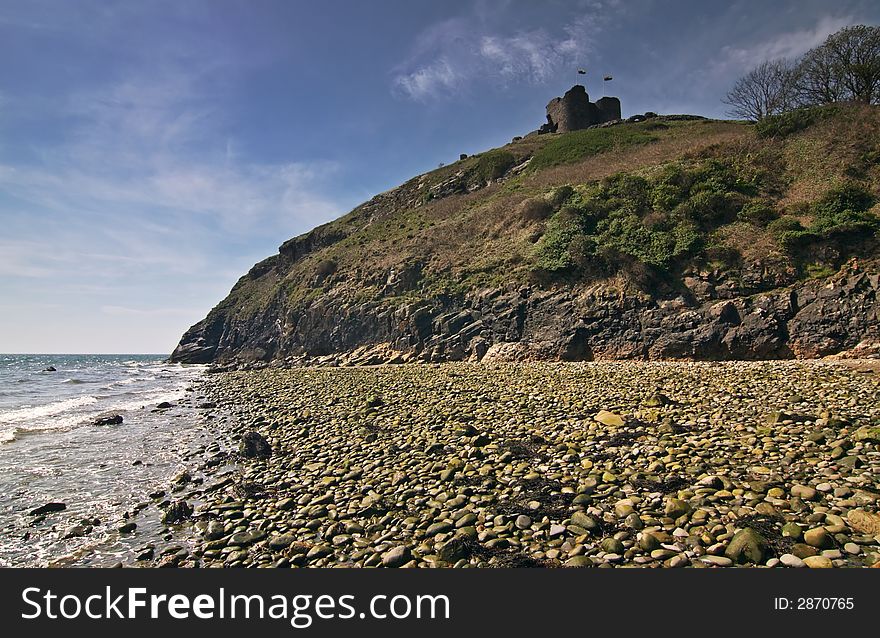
column 10, row 430
column 73, row 381
column 48, row 409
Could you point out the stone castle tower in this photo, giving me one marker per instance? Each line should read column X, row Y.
column 574, row 111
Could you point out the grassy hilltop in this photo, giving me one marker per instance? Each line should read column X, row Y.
column 645, row 208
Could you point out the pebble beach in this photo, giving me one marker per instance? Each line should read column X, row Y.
column 617, row 464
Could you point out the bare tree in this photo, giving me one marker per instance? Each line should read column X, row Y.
column 845, row 67
column 768, row 89
column 819, row 78
column 857, row 53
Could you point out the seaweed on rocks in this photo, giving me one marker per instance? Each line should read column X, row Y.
column 553, row 503
column 622, row 438
column 665, row 486
column 511, row 557
column 770, row 527
column 253, row 490
column 523, row 451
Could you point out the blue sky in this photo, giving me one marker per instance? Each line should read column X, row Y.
column 151, row 152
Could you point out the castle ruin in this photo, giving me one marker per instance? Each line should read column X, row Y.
column 574, row 111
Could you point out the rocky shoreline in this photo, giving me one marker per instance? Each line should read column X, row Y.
column 710, row 319
column 661, row 464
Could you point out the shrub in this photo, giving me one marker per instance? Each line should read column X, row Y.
column 709, row 207
column 552, row 252
column 649, row 222
column 657, row 248
column 848, row 197
column 494, row 164
column 784, row 224
column 842, row 211
column 789, row 232
column 757, row 213
column 561, row 195
column 534, row 208
column 791, row 122
column 667, row 196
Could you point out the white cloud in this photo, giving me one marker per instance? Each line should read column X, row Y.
column 428, row 80
column 453, row 53
column 146, row 168
column 789, row 45
column 143, row 203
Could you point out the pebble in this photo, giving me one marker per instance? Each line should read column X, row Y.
column 818, row 562
column 468, row 465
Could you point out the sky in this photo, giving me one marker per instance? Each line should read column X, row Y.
column 152, row 152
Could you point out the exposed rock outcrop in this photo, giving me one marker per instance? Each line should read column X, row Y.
column 810, row 319
column 574, row 111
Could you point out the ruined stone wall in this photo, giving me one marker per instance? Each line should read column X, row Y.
column 574, row 111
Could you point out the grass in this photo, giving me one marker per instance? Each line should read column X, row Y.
column 794, row 121
column 569, row 148
column 600, row 204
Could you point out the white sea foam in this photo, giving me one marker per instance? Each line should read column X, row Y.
column 49, row 409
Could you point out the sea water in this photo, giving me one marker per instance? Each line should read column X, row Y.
column 52, row 451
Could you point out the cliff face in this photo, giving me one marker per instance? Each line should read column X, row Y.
column 670, row 239
column 815, row 319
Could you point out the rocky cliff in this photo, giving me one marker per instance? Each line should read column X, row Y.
column 667, row 239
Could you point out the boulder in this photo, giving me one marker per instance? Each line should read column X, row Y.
column 176, row 512
column 112, row 419
column 255, row 445
column 746, row 546
column 609, row 418
column 867, row 433
column 48, row 508
column 864, row 522
column 396, row 557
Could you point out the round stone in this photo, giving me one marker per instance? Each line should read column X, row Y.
column 578, row 561
column 803, row 492
column 816, row 537
column 818, row 562
column 719, row 561
column 396, row 556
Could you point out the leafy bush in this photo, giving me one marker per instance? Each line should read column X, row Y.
column 848, row 197
column 560, row 195
column 757, row 213
column 535, row 208
column 552, row 252
column 654, row 220
column 789, row 232
column 791, row 122
column 494, row 164
column 844, row 210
